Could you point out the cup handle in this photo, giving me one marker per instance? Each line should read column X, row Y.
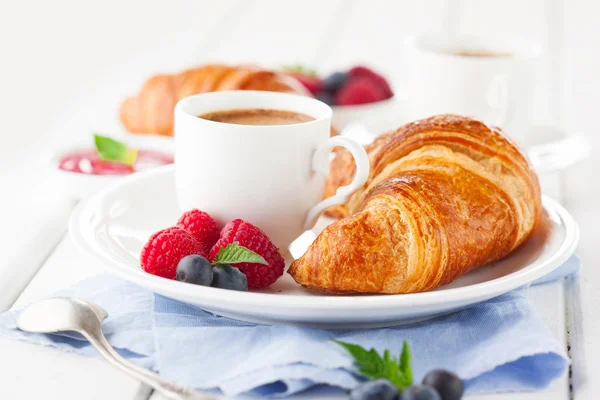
column 320, row 164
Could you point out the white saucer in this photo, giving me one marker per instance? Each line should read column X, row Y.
column 114, row 224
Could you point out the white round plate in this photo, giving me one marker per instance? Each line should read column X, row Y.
column 114, row 224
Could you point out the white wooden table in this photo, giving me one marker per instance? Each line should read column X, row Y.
column 38, row 258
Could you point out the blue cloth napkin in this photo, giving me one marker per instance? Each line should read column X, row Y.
column 496, row 346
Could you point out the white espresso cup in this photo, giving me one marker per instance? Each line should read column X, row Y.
column 272, row 176
column 483, row 78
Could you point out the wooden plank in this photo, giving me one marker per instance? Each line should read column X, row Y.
column 33, row 229
column 64, row 268
column 583, row 296
column 582, row 191
column 34, row 372
column 59, row 374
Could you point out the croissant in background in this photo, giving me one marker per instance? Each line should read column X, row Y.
column 151, row 111
column 445, row 195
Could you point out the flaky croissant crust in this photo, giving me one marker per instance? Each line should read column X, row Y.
column 445, row 195
column 151, row 110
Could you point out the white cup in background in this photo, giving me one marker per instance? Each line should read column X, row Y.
column 496, row 86
column 271, row 176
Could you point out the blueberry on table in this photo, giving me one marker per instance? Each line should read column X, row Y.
column 380, row 389
column 228, row 277
column 420, row 393
column 335, row 81
column 448, row 384
column 195, row 269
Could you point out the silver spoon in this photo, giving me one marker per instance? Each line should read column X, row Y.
column 61, row 314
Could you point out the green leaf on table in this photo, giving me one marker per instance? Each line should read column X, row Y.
column 373, row 366
column 233, row 253
column 112, row 150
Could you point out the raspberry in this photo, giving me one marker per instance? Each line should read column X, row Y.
column 359, row 90
column 247, row 235
column 369, row 73
column 313, row 84
column 201, row 226
column 166, row 248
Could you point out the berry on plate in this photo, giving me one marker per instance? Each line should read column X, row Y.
column 448, row 384
column 325, row 97
column 195, row 269
column 335, row 81
column 228, row 277
column 312, row 83
column 359, row 90
column 420, row 393
column 360, row 70
column 166, row 248
column 201, row 226
column 358, row 85
column 259, row 275
column 380, row 389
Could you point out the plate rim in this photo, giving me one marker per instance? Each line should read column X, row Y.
column 471, row 293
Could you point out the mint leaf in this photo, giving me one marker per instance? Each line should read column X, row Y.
column 372, row 365
column 368, row 362
column 405, row 358
column 112, row 150
column 233, row 253
column 299, row 69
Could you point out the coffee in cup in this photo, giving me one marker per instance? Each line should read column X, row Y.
column 257, row 116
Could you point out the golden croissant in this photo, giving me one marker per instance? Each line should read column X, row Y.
column 445, row 195
column 151, row 111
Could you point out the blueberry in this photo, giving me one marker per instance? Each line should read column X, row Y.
column 325, row 97
column 380, row 389
column 335, row 81
column 228, row 277
column 195, row 269
column 420, row 393
column 448, row 384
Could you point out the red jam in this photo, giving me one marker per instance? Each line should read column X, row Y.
column 89, row 162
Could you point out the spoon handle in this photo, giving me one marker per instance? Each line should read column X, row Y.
column 170, row 389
